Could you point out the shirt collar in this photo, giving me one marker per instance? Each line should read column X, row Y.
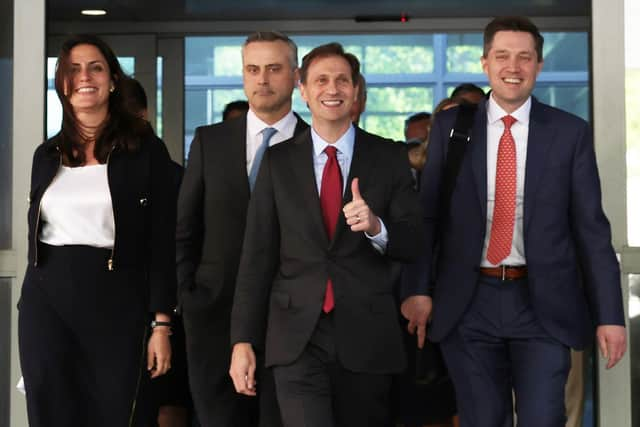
column 495, row 112
column 344, row 144
column 256, row 126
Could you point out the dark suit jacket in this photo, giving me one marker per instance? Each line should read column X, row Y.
column 212, row 208
column 572, row 268
column 287, row 257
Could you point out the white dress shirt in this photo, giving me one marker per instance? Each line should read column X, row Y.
column 344, row 146
column 285, row 127
column 520, row 132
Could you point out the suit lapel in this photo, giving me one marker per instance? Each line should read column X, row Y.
column 236, row 173
column 301, row 156
column 538, row 144
column 479, row 156
column 301, row 125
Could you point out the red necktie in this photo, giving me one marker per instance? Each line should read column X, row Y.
column 331, row 202
column 504, row 208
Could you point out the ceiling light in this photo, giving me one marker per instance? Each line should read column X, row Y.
column 94, row 12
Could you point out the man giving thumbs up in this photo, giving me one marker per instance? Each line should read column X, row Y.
column 330, row 209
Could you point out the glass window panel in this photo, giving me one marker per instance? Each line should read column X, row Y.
column 399, row 99
column 128, row 64
column 398, row 60
column 380, row 54
column 464, row 52
column 199, row 53
column 227, row 61
column 572, row 98
column 566, row 52
column 54, row 108
column 205, row 106
column 632, row 95
column 388, row 125
column 195, row 109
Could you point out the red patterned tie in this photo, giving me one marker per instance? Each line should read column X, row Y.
column 504, row 208
column 331, row 202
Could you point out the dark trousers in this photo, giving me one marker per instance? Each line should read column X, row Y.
column 499, row 346
column 215, row 400
column 81, row 334
column 317, row 391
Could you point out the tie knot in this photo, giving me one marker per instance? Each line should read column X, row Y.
column 267, row 133
column 508, row 121
column 330, row 151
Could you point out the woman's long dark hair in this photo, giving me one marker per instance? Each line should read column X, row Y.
column 121, row 129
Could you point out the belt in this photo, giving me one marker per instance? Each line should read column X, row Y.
column 505, row 272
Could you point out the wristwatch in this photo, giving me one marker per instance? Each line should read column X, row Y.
column 155, row 323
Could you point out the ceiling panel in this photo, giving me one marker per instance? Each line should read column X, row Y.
column 222, row 10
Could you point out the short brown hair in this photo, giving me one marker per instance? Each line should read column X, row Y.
column 512, row 23
column 275, row 36
column 330, row 49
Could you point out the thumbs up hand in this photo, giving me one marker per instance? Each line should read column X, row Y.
column 358, row 214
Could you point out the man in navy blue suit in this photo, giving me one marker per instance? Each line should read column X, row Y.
column 519, row 264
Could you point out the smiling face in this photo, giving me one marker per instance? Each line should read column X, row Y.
column 329, row 91
column 90, row 80
column 268, row 78
column 512, row 66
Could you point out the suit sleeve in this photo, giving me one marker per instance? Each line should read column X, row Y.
column 190, row 222
column 403, row 222
column 259, row 261
column 162, row 272
column 592, row 234
column 417, row 277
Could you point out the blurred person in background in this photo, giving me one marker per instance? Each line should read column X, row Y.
column 235, row 109
column 170, row 396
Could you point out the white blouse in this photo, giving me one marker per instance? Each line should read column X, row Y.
column 76, row 209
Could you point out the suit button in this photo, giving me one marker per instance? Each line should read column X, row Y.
column 144, row 202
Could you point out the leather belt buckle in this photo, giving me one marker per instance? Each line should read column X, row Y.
column 505, row 272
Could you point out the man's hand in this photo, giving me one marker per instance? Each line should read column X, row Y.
column 243, row 369
column 417, row 310
column 612, row 340
column 358, row 214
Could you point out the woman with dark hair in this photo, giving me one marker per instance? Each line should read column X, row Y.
column 101, row 274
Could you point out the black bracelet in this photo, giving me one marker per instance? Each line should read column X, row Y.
column 155, row 323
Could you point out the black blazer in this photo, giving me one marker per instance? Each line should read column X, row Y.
column 287, row 257
column 143, row 194
column 212, row 208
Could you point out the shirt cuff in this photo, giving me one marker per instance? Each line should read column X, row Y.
column 380, row 240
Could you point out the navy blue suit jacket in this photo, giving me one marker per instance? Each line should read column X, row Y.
column 573, row 274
